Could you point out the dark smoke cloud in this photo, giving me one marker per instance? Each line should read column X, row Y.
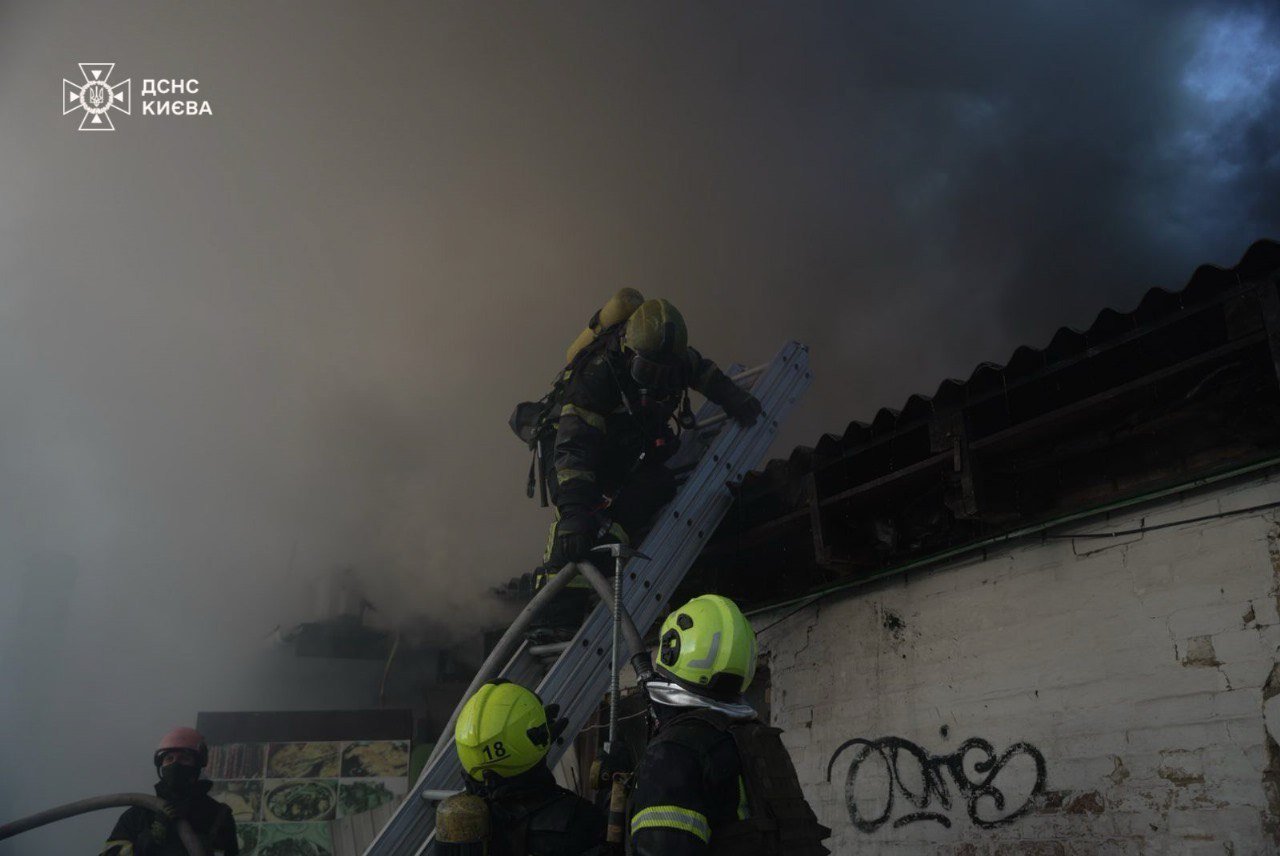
column 239, row 352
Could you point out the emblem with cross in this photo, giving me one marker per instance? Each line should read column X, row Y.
column 96, row 96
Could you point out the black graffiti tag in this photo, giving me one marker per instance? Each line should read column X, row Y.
column 904, row 763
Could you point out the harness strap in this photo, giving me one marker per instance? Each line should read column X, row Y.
column 542, row 474
column 528, row 488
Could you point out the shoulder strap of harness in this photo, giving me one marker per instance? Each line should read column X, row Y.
column 604, row 338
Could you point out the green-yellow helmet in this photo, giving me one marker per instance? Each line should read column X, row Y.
column 502, row 730
column 708, row 646
column 657, row 330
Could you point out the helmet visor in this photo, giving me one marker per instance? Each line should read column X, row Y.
column 656, row 375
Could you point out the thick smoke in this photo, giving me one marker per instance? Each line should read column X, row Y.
column 239, row 352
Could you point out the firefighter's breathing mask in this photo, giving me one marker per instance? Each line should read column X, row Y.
column 179, row 778
column 659, row 378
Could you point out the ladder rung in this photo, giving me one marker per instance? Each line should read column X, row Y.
column 436, row 795
column 548, row 649
column 749, row 373
column 713, row 422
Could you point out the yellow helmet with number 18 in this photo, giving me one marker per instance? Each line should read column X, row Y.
column 502, row 730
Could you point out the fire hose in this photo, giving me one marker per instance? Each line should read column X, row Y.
column 185, row 833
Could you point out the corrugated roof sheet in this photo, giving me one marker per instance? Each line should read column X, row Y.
column 1205, row 284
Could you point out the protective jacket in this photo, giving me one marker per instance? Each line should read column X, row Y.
column 606, row 423
column 709, row 784
column 140, row 832
column 533, row 816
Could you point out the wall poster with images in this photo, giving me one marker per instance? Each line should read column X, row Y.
column 285, row 793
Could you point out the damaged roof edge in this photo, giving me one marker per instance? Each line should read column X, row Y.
column 1205, row 285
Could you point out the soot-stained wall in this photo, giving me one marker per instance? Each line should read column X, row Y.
column 1058, row 697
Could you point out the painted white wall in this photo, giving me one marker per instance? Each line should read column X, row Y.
column 1135, row 668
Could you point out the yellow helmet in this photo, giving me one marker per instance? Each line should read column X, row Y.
column 658, row 339
column 708, row 646
column 656, row 328
column 502, row 730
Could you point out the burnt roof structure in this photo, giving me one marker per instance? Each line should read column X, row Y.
column 1183, row 388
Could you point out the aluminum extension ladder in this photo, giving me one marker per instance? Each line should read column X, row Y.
column 715, row 454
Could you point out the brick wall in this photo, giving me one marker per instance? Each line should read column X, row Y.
column 1060, row 696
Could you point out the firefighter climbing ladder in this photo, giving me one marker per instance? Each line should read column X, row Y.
column 719, row 454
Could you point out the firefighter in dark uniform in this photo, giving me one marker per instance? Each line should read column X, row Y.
column 713, row 779
column 179, row 759
column 624, row 386
column 502, row 737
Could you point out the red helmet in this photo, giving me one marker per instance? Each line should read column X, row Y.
column 183, row 738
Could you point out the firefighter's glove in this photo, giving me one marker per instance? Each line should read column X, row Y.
column 176, row 809
column 745, row 410
column 575, row 536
